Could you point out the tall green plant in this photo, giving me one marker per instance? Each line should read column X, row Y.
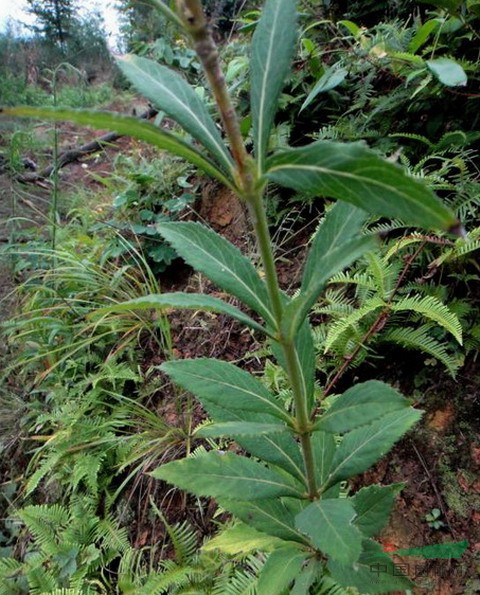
column 289, row 486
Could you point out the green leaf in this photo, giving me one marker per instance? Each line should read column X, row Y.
column 239, row 428
column 273, row 46
column 225, row 475
column 229, row 394
column 330, row 79
column 431, row 307
column 363, row 447
column 442, row 551
column 329, row 524
column 128, row 126
column 373, row 505
column 333, row 262
column 342, row 223
column 422, row 35
column 306, row 578
column 448, row 72
column 220, row 261
column 360, row 405
column 180, row 300
column 281, row 450
column 170, row 93
column 226, row 385
column 305, row 351
column 280, row 569
column 374, row 572
column 355, row 174
column 324, row 447
column 241, row 539
column 267, row 516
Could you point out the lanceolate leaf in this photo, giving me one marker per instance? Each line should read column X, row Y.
column 169, row 92
column 324, row 447
column 281, row 568
column 373, row 506
column 374, row 572
column 341, row 224
column 307, row 359
column 281, row 450
column 225, row 475
column 268, row 516
column 187, row 301
column 360, row 405
column 353, row 173
column 221, row 383
column 272, row 51
column 363, row 447
column 329, row 524
column 220, row 261
column 241, row 539
column 127, row 126
column 239, row 428
column 338, row 259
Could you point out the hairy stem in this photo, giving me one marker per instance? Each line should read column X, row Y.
column 303, row 426
column 196, row 25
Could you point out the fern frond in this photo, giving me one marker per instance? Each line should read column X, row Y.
column 433, row 309
column 419, row 338
column 360, row 279
column 341, row 326
column 412, row 136
column 169, row 581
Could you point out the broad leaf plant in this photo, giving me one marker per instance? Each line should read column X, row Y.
column 288, row 481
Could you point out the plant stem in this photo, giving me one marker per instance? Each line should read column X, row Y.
column 196, row 25
column 252, row 192
column 303, row 426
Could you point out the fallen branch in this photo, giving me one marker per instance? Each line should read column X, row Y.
column 73, row 155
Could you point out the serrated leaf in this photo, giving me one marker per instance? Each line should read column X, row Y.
column 336, row 260
column 374, row 572
column 170, row 93
column 225, row 475
column 127, row 126
column 341, row 224
column 281, row 450
column 324, row 447
column 448, row 72
column 181, row 300
column 273, row 46
column 328, row 81
column 373, row 505
column 329, row 524
column 305, row 352
column 226, row 385
column 267, row 516
column 241, row 539
column 239, row 428
column 355, row 174
column 360, row 405
column 361, row 448
column 220, row 261
column 280, row 569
